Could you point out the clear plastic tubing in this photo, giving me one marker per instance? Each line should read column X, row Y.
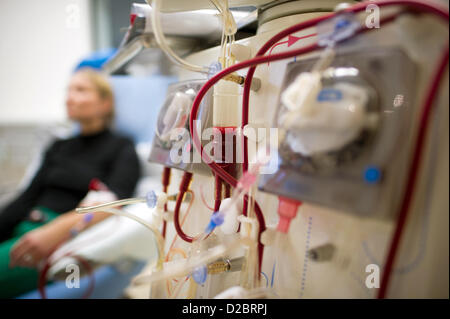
column 161, row 40
column 150, row 199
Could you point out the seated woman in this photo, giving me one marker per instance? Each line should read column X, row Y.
column 42, row 217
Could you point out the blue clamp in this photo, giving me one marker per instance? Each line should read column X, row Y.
column 200, row 274
column 214, row 68
column 339, row 28
column 372, row 174
column 217, row 219
column 151, row 199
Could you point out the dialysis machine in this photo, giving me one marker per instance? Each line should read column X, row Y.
column 324, row 138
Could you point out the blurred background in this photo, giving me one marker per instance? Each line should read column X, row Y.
column 42, row 42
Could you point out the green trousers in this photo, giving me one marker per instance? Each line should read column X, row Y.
column 18, row 280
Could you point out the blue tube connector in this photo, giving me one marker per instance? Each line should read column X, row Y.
column 339, row 28
column 217, row 219
column 200, row 274
column 372, row 174
column 151, row 199
column 214, row 68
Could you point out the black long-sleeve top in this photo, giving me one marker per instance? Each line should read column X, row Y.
column 68, row 166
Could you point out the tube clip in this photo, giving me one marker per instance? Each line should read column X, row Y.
column 341, row 27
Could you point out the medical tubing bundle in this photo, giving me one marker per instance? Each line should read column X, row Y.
column 110, row 208
column 187, row 266
column 175, row 250
column 43, row 275
column 162, row 42
column 184, row 186
column 419, row 5
column 223, row 134
column 244, row 183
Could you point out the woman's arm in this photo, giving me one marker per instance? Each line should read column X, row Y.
column 40, row 243
column 20, row 207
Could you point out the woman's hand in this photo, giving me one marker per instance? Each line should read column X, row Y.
column 36, row 245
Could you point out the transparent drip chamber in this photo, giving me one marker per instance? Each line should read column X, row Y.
column 171, row 145
column 330, row 126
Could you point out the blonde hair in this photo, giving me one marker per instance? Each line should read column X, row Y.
column 103, row 88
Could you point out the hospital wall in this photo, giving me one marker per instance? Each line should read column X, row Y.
column 41, row 42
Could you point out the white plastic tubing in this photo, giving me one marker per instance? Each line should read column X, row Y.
column 161, row 40
column 110, row 208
